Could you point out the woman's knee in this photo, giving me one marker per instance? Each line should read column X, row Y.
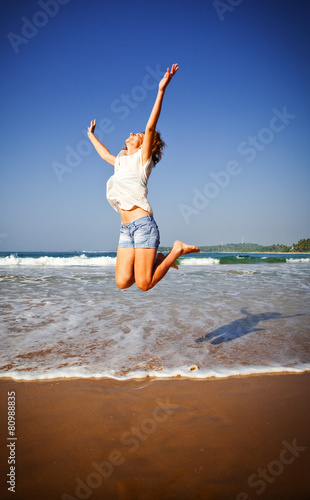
column 124, row 282
column 143, row 284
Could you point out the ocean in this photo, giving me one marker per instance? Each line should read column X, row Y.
column 218, row 315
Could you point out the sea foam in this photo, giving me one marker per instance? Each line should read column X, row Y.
column 180, row 372
column 46, row 261
column 203, row 261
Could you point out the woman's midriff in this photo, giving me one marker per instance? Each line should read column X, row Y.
column 132, row 214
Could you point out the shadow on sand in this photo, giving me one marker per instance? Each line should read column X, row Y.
column 240, row 327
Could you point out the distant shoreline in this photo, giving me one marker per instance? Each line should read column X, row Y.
column 302, row 247
column 167, row 249
column 276, row 253
column 160, row 249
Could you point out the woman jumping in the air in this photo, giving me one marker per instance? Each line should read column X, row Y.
column 136, row 260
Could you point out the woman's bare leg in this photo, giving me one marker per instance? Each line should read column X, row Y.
column 124, row 274
column 159, row 258
column 147, row 274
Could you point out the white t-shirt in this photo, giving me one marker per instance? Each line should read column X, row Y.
column 128, row 186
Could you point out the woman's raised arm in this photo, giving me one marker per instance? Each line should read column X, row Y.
column 100, row 148
column 153, row 119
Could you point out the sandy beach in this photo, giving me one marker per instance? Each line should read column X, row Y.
column 236, row 438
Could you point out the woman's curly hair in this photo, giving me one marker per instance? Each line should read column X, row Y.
column 158, row 146
column 157, row 149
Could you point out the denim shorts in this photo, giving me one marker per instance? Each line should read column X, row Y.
column 141, row 233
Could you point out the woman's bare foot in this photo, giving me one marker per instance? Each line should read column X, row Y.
column 183, row 249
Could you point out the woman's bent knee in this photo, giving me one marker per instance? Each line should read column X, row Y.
column 144, row 285
column 124, row 283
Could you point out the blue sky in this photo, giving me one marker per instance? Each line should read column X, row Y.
column 235, row 118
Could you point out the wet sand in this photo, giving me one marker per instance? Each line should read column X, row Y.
column 237, row 438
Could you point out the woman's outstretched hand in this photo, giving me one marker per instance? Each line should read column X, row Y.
column 167, row 77
column 90, row 130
